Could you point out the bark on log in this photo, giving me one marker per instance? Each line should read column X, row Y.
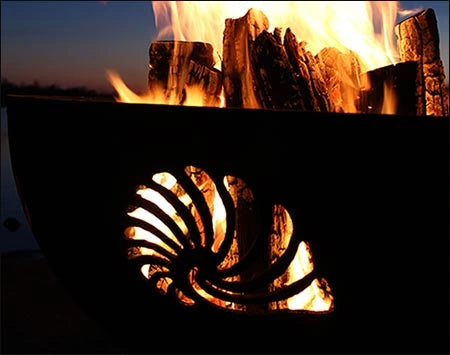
column 176, row 65
column 309, row 77
column 341, row 73
column 418, row 40
column 238, row 80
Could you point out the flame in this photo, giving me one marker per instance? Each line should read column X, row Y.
column 389, row 99
column 317, row 296
column 219, row 221
column 345, row 25
column 127, row 95
column 194, row 94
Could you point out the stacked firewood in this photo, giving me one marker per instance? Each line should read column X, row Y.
column 261, row 69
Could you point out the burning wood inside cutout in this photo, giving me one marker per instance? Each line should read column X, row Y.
column 321, row 57
column 198, row 240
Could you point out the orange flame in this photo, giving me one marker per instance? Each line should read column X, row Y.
column 194, row 94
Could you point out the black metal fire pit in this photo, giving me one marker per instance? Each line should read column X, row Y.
column 369, row 193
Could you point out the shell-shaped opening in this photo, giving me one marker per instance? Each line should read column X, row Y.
column 206, row 231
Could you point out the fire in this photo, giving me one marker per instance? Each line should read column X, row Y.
column 345, row 25
column 127, row 95
column 362, row 27
column 317, row 296
column 194, row 94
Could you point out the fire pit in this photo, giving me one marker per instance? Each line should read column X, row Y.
column 365, row 195
column 269, row 201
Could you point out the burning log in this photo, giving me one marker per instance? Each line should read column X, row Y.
column 238, row 79
column 418, row 40
column 311, row 82
column 176, row 66
column 274, row 78
column 262, row 70
column 259, row 70
column 389, row 90
column 341, row 73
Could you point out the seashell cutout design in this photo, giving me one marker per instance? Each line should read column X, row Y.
column 196, row 239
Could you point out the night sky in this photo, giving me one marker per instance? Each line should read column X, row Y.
column 72, row 43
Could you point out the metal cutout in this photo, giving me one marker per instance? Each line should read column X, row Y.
column 197, row 239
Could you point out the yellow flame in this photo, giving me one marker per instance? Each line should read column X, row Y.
column 341, row 24
column 219, row 221
column 194, row 96
column 151, row 219
column 317, row 296
column 161, row 202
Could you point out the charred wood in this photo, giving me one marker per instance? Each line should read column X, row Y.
column 309, row 77
column 275, row 84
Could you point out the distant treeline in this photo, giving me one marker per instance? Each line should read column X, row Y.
column 8, row 88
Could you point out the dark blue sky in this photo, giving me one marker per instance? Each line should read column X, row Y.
column 72, row 42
